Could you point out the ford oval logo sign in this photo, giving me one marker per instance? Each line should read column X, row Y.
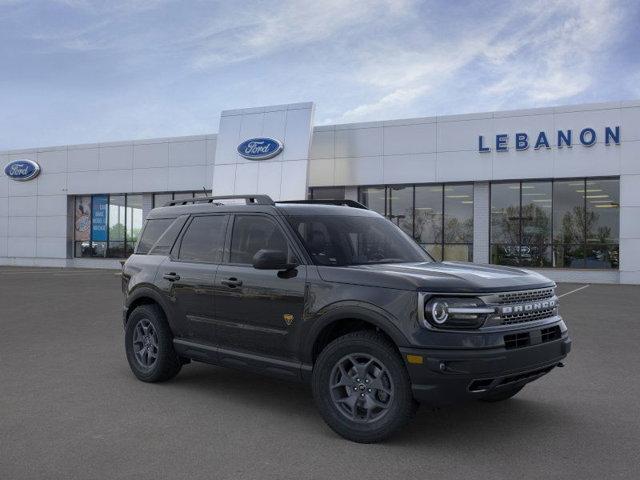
column 260, row 148
column 22, row 170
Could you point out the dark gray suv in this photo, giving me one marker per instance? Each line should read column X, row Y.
column 331, row 293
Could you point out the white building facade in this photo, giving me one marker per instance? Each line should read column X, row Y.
column 556, row 190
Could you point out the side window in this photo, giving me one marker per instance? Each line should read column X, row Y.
column 252, row 233
column 204, row 239
column 152, row 231
column 168, row 238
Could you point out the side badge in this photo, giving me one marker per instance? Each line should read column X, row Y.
column 288, row 319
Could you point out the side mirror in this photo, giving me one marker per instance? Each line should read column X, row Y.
column 272, row 260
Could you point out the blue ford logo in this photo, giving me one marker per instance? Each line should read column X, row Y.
column 22, row 170
column 260, row 148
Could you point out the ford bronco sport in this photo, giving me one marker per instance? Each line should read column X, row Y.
column 331, row 293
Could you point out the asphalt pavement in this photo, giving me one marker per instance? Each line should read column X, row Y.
column 71, row 409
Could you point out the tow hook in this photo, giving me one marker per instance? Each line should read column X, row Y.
column 560, row 364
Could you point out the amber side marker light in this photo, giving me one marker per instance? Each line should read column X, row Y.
column 415, row 359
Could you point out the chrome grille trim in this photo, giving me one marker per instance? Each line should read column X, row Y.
column 525, row 295
column 528, row 316
column 519, row 298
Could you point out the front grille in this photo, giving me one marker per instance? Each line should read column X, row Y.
column 525, row 296
column 522, row 317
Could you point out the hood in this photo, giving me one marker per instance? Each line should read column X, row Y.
column 450, row 277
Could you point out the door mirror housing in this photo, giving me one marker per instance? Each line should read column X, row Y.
column 272, row 260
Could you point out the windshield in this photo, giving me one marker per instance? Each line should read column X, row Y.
column 339, row 240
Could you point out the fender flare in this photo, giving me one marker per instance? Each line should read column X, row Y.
column 145, row 291
column 352, row 310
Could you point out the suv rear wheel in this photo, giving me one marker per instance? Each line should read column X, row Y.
column 149, row 345
column 362, row 388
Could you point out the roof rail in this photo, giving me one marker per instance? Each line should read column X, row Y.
column 249, row 199
column 343, row 203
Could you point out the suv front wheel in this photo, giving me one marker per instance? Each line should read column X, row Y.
column 362, row 388
column 149, row 345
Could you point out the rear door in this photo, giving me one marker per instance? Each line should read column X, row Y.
column 256, row 310
column 188, row 276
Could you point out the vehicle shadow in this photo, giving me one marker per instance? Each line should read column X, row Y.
column 475, row 422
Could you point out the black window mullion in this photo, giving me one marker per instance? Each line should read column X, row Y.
column 584, row 240
column 125, row 224
column 91, row 227
column 520, row 225
column 413, row 213
column 442, row 188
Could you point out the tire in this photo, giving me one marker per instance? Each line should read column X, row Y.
column 348, row 398
column 147, row 329
column 501, row 395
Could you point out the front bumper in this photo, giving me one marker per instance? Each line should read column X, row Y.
column 448, row 376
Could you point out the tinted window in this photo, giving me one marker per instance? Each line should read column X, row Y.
column 204, row 239
column 168, row 238
column 152, row 231
column 344, row 240
column 252, row 233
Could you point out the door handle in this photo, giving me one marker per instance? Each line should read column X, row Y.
column 232, row 282
column 172, row 277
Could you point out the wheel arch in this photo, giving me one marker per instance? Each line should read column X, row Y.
column 144, row 296
column 342, row 319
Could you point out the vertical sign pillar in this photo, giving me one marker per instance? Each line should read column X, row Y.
column 283, row 176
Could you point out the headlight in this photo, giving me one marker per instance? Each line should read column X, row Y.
column 455, row 312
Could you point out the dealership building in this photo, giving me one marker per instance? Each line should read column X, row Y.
column 553, row 189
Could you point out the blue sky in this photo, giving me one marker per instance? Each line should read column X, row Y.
column 77, row 71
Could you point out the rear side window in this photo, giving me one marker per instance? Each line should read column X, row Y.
column 252, row 233
column 154, row 228
column 204, row 239
column 168, row 238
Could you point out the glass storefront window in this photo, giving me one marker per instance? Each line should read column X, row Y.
column 117, row 218
column 428, row 218
column 373, row 198
column 564, row 223
column 458, row 222
column 161, row 199
column 400, row 208
column 134, row 221
column 107, row 225
column 439, row 217
column 82, row 226
column 536, row 201
column 327, row 193
column 602, row 198
column 182, row 195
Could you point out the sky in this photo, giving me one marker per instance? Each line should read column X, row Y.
column 80, row 71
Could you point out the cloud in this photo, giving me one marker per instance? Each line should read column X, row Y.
column 288, row 24
column 555, row 63
column 543, row 52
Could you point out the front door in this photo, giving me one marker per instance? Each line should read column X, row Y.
column 257, row 309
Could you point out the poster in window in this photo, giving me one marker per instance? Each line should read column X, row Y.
column 83, row 219
column 99, row 218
